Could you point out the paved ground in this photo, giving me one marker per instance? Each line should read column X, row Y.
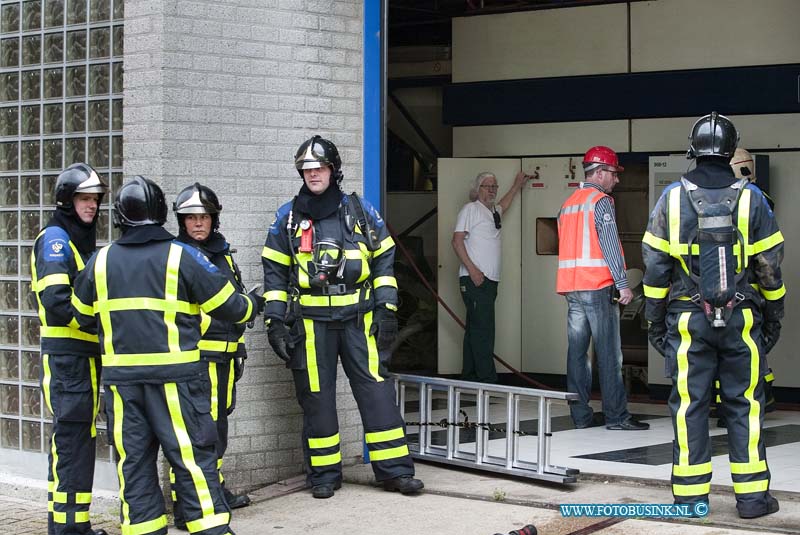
column 455, row 501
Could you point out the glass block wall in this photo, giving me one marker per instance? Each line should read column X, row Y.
column 60, row 102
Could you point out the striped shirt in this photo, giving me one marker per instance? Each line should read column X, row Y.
column 608, row 236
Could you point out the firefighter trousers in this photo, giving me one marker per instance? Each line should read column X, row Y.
column 176, row 416
column 221, row 375
column 314, row 364
column 70, row 385
column 696, row 354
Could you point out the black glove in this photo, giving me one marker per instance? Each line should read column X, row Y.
column 657, row 334
column 384, row 327
column 258, row 300
column 278, row 336
column 770, row 333
column 238, row 368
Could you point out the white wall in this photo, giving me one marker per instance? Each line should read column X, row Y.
column 536, row 44
column 664, row 35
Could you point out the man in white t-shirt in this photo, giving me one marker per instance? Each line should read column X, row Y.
column 476, row 241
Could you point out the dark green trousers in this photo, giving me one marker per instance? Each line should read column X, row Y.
column 479, row 332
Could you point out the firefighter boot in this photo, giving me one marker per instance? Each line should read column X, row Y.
column 325, row 490
column 403, row 485
column 177, row 513
column 235, row 501
column 771, row 507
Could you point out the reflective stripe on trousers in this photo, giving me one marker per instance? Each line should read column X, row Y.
column 698, row 352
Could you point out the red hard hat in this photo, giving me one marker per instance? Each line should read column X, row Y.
column 601, row 155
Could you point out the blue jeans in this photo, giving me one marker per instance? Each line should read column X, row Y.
column 592, row 316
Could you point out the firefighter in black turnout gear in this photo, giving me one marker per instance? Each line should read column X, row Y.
column 197, row 209
column 70, row 354
column 145, row 292
column 330, row 290
column 712, row 253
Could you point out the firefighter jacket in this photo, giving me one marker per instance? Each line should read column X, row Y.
column 55, row 263
column 665, row 248
column 146, row 292
column 367, row 281
column 581, row 265
column 221, row 340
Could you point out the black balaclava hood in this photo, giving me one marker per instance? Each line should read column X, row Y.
column 83, row 235
column 214, row 244
column 319, row 206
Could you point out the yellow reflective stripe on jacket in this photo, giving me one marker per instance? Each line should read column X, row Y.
column 67, row 332
column 305, row 261
column 655, row 292
column 219, row 298
column 324, row 442
column 78, row 259
column 386, row 244
column 358, row 254
column 276, row 256
column 50, row 280
column 205, row 322
column 767, row 243
column 743, row 224
column 171, row 296
column 276, row 295
column 674, row 211
column 218, row 346
column 146, row 303
column 80, row 306
column 332, row 300
column 384, row 281
column 773, row 295
column 247, row 312
column 151, row 359
column 384, row 436
column 101, row 285
column 655, row 242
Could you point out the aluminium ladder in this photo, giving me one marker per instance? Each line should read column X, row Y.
column 482, row 401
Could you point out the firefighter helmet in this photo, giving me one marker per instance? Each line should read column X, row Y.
column 712, row 135
column 78, row 178
column 601, row 156
column 139, row 202
column 743, row 165
column 318, row 152
column 197, row 199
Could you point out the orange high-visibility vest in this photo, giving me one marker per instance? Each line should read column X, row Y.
column 581, row 265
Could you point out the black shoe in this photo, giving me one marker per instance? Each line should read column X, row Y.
column 772, row 507
column 325, row 490
column 631, row 424
column 235, row 501
column 100, row 532
column 180, row 524
column 403, row 485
